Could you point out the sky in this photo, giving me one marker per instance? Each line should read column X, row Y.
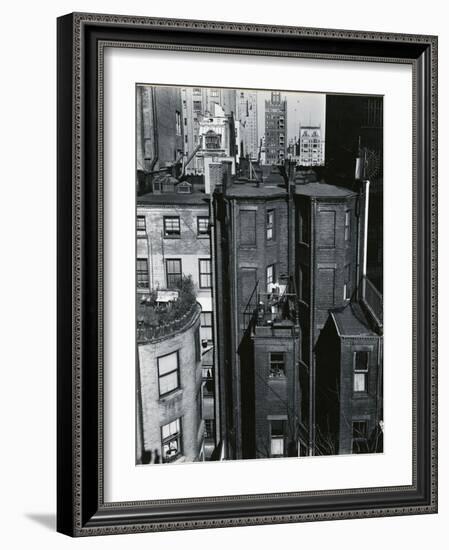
column 302, row 108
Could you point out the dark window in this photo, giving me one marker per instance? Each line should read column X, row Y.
column 171, row 436
column 277, row 365
column 270, row 225
column 361, row 371
column 347, row 225
column 197, row 345
column 197, row 106
column 277, row 435
column 174, row 273
column 304, row 283
column 360, row 436
column 199, row 405
column 206, row 325
column 202, row 224
column 168, row 373
column 141, row 225
column 172, row 226
column 304, row 223
column 347, row 283
column 205, row 273
column 178, row 123
column 142, row 273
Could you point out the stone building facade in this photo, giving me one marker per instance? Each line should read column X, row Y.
column 170, row 393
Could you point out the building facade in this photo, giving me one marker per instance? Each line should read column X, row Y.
column 275, row 129
column 170, row 385
column 247, row 116
column 311, row 146
column 159, row 135
column 290, row 268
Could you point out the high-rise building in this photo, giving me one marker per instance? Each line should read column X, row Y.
column 311, row 146
column 247, row 116
column 159, row 135
column 276, row 129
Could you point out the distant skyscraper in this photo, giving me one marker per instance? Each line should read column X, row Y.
column 311, row 146
column 247, row 116
column 276, row 129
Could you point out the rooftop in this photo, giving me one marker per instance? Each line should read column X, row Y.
column 317, row 189
column 173, row 198
column 352, row 321
column 158, row 318
column 254, row 191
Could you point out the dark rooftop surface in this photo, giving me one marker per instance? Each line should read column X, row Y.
column 173, row 198
column 251, row 190
column 316, row 189
column 352, row 321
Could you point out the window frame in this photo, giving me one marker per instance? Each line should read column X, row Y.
column 140, row 272
column 360, row 371
column 172, row 235
column 202, row 234
column 171, row 274
column 177, row 436
column 178, row 374
column 202, row 274
column 272, row 362
column 270, row 226
column 203, row 326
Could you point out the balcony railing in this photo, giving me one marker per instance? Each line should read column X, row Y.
column 149, row 333
column 373, row 300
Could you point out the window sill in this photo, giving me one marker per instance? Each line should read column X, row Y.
column 171, row 395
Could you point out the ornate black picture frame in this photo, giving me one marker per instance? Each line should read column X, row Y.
column 81, row 509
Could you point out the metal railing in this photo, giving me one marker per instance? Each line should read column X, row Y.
column 373, row 300
column 149, row 333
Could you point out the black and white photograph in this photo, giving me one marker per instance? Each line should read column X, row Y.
column 259, row 274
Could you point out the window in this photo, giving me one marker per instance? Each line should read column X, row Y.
column 178, row 123
column 206, row 325
column 141, row 225
column 174, row 273
column 270, row 225
column 277, row 365
column 197, row 345
column 304, row 223
column 277, row 438
column 168, row 373
column 346, row 284
column 199, row 405
column 202, row 225
column 214, row 93
column 205, row 273
column 212, row 140
column 304, row 284
column 270, row 277
column 197, row 106
column 360, row 436
column 172, row 226
column 347, row 225
column 142, row 273
column 361, row 371
column 171, row 440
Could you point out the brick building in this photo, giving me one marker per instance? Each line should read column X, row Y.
column 275, row 129
column 159, row 135
column 311, row 146
column 290, row 265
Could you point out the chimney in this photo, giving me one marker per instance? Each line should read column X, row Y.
column 227, row 174
column 215, row 177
